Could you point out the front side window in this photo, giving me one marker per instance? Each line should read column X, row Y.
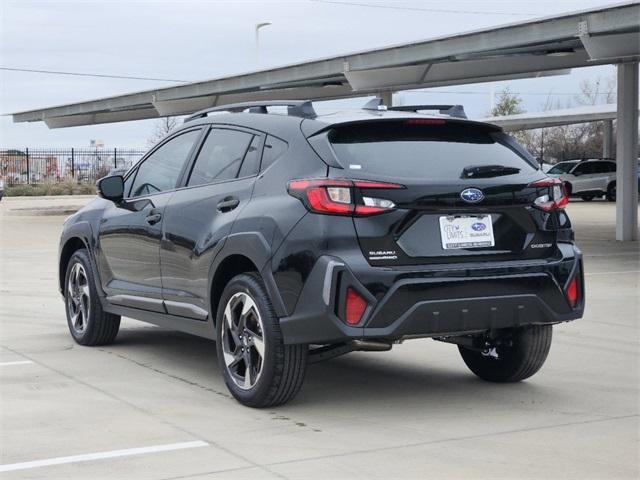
column 128, row 182
column 563, row 167
column 161, row 170
column 221, row 156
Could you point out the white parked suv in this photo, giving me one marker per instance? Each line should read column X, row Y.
column 587, row 179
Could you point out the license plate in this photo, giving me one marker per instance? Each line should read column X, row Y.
column 466, row 231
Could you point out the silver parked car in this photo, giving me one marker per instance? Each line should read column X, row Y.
column 587, row 179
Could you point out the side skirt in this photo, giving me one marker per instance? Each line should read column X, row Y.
column 199, row 328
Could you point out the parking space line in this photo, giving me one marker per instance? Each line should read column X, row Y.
column 618, row 254
column 18, row 362
column 101, row 455
column 613, row 273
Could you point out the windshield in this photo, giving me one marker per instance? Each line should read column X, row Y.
column 562, row 167
column 437, row 151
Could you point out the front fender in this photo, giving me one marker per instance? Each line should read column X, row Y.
column 84, row 232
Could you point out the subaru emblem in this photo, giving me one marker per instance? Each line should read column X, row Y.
column 478, row 227
column 472, row 195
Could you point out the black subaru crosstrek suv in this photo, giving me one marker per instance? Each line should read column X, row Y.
column 291, row 237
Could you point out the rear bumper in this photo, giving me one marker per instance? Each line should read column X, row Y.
column 448, row 301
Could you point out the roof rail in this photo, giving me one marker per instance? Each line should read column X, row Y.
column 451, row 110
column 295, row 108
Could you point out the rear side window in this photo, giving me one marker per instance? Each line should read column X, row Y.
column 584, row 168
column 434, row 151
column 251, row 162
column 220, row 157
column 605, row 167
column 274, row 148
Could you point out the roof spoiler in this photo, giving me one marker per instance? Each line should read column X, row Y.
column 451, row 110
column 295, row 108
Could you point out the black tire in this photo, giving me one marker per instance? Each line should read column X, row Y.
column 282, row 367
column 587, row 198
column 526, row 355
column 99, row 327
column 611, row 192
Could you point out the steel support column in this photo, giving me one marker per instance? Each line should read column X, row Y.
column 387, row 97
column 607, row 139
column 627, row 153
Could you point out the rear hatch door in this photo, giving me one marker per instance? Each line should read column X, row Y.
column 467, row 194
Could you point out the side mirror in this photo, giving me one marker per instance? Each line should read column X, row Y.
column 111, row 188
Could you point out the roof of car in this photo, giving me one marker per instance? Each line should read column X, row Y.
column 582, row 160
column 325, row 118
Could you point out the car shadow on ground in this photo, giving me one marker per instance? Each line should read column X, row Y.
column 375, row 378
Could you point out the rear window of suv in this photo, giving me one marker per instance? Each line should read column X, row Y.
column 434, row 151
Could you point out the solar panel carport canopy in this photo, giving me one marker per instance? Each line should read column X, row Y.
column 531, row 48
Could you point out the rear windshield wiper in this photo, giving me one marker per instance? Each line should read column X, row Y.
column 487, row 171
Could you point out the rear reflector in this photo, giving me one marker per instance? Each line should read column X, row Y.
column 573, row 293
column 356, row 305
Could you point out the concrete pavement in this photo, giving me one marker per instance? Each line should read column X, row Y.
column 53, row 205
column 414, row 412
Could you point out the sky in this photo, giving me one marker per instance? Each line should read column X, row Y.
column 195, row 40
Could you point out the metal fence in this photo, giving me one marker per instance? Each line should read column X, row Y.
column 42, row 165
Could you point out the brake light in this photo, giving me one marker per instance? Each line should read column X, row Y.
column 425, row 121
column 337, row 197
column 556, row 198
column 573, row 292
column 355, row 307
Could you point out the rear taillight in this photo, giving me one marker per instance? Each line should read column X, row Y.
column 555, row 196
column 355, row 307
column 573, row 292
column 338, row 197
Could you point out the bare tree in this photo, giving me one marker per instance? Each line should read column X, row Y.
column 161, row 129
column 573, row 141
column 597, row 91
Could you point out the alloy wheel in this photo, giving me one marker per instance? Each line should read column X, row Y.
column 243, row 340
column 78, row 298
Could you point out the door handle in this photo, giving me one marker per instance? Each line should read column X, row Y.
column 228, row 204
column 153, row 218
